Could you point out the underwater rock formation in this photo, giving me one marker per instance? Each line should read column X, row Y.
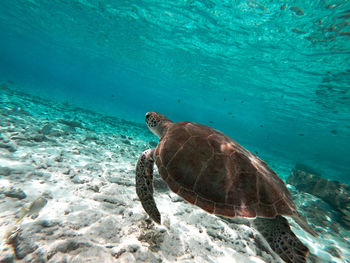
column 334, row 193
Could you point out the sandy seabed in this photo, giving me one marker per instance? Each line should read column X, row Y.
column 83, row 163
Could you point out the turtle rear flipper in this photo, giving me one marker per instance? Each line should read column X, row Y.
column 144, row 184
column 281, row 239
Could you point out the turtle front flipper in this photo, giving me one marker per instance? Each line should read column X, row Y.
column 144, row 185
column 281, row 239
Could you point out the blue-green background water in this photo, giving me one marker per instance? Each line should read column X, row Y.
column 273, row 75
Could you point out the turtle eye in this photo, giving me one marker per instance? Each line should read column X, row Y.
column 148, row 115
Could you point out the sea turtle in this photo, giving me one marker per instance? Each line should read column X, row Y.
column 212, row 171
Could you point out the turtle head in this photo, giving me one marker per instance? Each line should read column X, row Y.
column 157, row 123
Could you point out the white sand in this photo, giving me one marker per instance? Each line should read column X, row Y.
column 93, row 213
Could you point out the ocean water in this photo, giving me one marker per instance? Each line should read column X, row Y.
column 272, row 75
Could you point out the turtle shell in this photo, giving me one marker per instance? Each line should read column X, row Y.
column 212, row 171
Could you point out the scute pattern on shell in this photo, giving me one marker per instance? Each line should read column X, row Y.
column 212, row 171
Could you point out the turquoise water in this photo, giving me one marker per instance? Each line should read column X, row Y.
column 273, row 75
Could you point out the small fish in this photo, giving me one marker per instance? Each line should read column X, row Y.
column 298, row 31
column 344, row 34
column 331, row 6
column 334, row 131
column 344, row 16
column 297, row 10
column 301, row 134
column 33, row 208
